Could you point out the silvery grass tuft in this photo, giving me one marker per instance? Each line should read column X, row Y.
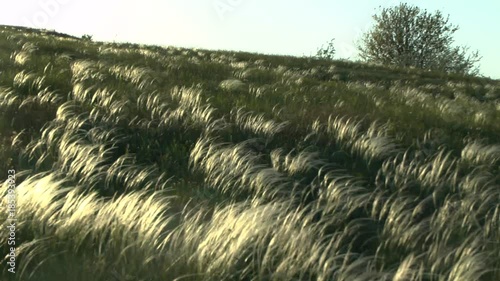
column 83, row 70
column 24, row 79
column 257, row 124
column 294, row 164
column 233, row 85
column 480, row 154
column 187, row 97
column 374, row 144
column 78, row 221
column 9, row 99
column 138, row 76
column 130, row 175
column 23, row 56
column 234, row 167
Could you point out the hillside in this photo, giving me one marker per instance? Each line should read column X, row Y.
column 137, row 162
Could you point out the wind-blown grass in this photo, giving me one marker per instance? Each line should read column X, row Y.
column 148, row 163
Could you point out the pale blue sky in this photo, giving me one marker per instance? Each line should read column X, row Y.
column 272, row 27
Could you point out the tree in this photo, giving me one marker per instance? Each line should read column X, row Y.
column 326, row 52
column 87, row 37
column 407, row 36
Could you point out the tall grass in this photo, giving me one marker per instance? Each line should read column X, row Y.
column 148, row 163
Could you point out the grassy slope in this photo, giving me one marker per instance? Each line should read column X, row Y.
column 157, row 163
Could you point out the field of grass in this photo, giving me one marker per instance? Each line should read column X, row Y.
column 137, row 162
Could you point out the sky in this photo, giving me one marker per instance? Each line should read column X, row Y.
column 282, row 27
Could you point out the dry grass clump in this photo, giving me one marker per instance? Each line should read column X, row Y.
column 374, row 144
column 235, row 169
column 257, row 124
column 68, row 221
column 24, row 56
column 293, row 164
column 233, row 85
column 138, row 76
column 84, row 70
column 187, row 97
column 481, row 154
column 9, row 99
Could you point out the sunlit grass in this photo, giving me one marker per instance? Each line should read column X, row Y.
column 151, row 163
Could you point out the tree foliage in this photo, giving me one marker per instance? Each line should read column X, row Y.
column 87, row 37
column 407, row 36
column 326, row 52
